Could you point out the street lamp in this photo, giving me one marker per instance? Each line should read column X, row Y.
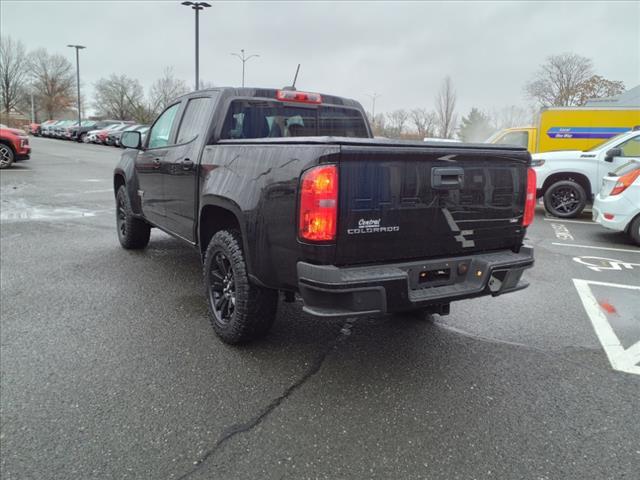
column 197, row 6
column 244, row 60
column 373, row 104
column 78, row 48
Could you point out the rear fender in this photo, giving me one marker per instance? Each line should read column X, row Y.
column 232, row 207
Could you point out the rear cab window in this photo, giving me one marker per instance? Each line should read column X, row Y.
column 248, row 119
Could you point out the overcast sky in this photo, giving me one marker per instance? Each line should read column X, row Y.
column 401, row 50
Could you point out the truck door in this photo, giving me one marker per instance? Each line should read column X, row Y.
column 149, row 165
column 180, row 168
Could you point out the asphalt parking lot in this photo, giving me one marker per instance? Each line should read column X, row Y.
column 111, row 370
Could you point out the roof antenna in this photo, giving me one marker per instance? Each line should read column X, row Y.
column 295, row 78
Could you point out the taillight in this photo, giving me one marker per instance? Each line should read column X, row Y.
column 319, row 204
column 295, row 96
column 530, row 201
column 624, row 181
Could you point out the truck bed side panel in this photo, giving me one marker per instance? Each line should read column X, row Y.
column 259, row 183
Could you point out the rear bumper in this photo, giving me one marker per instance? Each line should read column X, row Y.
column 620, row 207
column 330, row 291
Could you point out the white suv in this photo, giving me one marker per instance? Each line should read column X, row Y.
column 569, row 179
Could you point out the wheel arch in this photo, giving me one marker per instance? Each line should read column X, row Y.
column 580, row 178
column 125, row 174
column 9, row 144
column 118, row 181
column 218, row 213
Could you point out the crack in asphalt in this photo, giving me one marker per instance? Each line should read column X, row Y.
column 253, row 422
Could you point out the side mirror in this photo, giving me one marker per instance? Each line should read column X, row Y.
column 131, row 140
column 614, row 152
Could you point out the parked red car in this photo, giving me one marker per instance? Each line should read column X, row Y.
column 14, row 146
column 102, row 135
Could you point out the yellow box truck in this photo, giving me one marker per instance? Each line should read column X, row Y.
column 570, row 128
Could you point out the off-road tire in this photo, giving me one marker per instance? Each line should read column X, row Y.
column 572, row 191
column 6, row 156
column 634, row 230
column 133, row 232
column 254, row 307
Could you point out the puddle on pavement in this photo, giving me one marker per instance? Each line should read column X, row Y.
column 20, row 211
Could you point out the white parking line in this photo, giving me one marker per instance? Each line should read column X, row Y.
column 73, row 194
column 596, row 248
column 562, row 220
column 621, row 359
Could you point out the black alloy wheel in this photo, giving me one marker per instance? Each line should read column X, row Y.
column 239, row 310
column 565, row 199
column 222, row 288
column 121, row 216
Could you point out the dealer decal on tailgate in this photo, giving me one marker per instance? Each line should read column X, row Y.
column 371, row 226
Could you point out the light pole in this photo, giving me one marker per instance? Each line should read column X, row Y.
column 78, row 48
column 33, row 109
column 244, row 60
column 197, row 6
column 373, row 97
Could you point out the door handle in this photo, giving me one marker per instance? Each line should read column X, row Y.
column 156, row 163
column 445, row 178
column 187, row 164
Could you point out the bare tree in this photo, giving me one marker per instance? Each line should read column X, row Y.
column 118, row 97
column 165, row 89
column 378, row 124
column 140, row 110
column 513, row 116
column 424, row 121
column 445, row 109
column 397, row 119
column 13, row 72
column 54, row 81
column 204, row 84
column 557, row 82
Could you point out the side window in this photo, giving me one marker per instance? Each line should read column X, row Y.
column 159, row 135
column 631, row 148
column 521, row 139
column 194, row 118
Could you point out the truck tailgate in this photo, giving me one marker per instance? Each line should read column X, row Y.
column 417, row 203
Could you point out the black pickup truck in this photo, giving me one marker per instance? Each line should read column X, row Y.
column 288, row 191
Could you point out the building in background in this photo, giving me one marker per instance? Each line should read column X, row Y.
column 630, row 98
